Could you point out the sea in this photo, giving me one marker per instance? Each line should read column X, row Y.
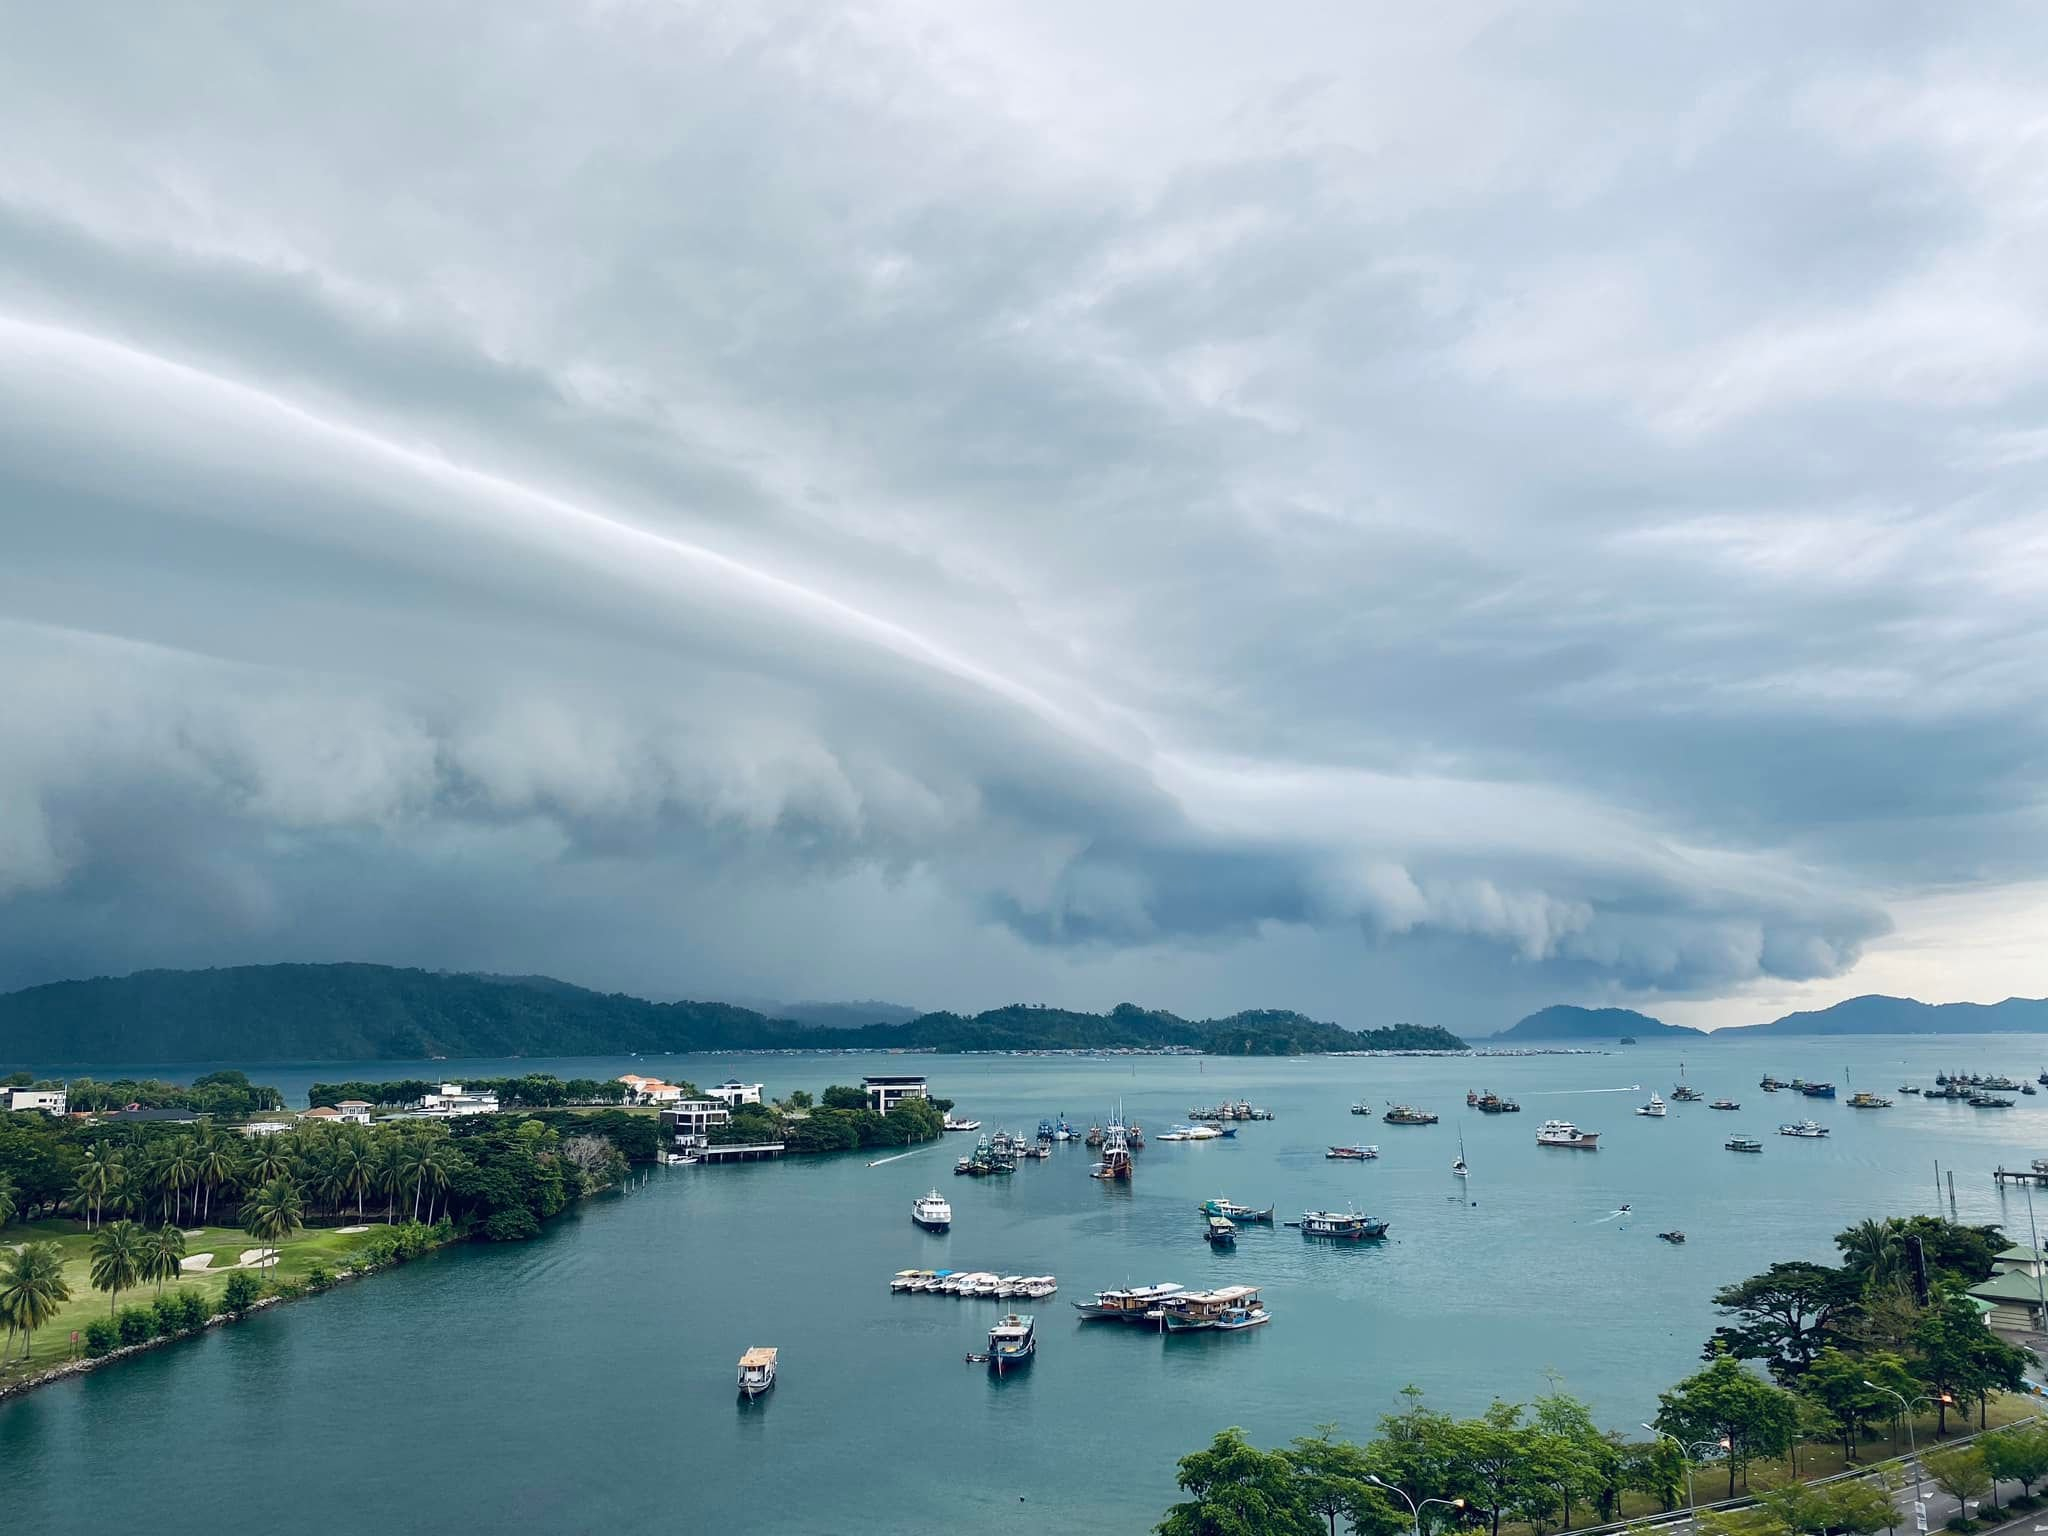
column 585, row 1381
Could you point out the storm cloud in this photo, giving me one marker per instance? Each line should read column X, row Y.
column 1369, row 512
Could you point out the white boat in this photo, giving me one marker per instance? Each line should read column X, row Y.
column 1562, row 1133
column 1038, row 1287
column 1806, row 1130
column 1458, row 1168
column 1654, row 1109
column 1129, row 1305
column 757, row 1371
column 961, row 1125
column 909, row 1280
column 932, row 1212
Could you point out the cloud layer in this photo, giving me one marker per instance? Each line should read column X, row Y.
column 1373, row 515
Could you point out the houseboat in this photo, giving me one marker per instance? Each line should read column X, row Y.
column 757, row 1372
column 1342, row 1226
column 1221, row 1232
column 1130, row 1305
column 1229, row 1309
column 932, row 1212
column 1407, row 1114
column 1743, row 1144
column 1562, row 1133
column 1012, row 1342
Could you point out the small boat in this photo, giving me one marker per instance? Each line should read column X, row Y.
column 1012, row 1342
column 1806, row 1130
column 1743, row 1144
column 1229, row 1309
column 1816, row 1090
column 1654, row 1109
column 1490, row 1103
column 1407, row 1114
column 1770, row 1084
column 949, row 1123
column 1130, row 1305
column 1458, row 1168
column 1685, row 1093
column 1623, row 1209
column 1562, row 1133
column 1863, row 1100
column 1038, row 1287
column 1361, row 1109
column 932, row 1212
column 909, row 1280
column 757, row 1372
column 1342, row 1226
column 2028, row 1089
column 1909, row 1088
column 1627, row 1040
column 1724, row 1104
column 1359, row 1153
column 1094, row 1138
column 1989, row 1101
column 1221, row 1207
column 1221, row 1232
column 1673, row 1236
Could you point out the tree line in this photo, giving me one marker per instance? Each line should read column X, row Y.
column 228, row 1094
column 837, row 1120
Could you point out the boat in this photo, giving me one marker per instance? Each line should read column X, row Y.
column 2028, row 1089
column 1866, row 1100
column 1038, row 1287
column 932, row 1212
column 1816, row 1090
column 757, row 1372
column 1673, row 1236
column 1221, row 1207
column 1342, row 1226
column 1724, row 1104
column 1012, row 1342
column 1989, row 1101
column 1493, row 1104
column 1999, row 1084
column 1361, row 1109
column 1562, row 1133
column 1221, row 1232
column 1357, row 1153
column 1654, row 1109
column 949, row 1123
column 1627, row 1040
column 1743, row 1144
column 1134, row 1136
column 1909, row 1088
column 909, row 1280
column 1458, row 1168
column 1045, row 1132
column 1229, row 1309
column 1116, row 1155
column 1770, row 1084
column 1095, row 1137
column 1685, row 1093
column 1133, row 1304
column 1407, row 1114
column 1191, row 1133
column 1806, row 1130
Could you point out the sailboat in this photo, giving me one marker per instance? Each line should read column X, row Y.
column 1458, row 1168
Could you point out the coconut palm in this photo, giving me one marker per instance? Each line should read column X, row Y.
column 97, row 1175
column 1871, row 1250
column 436, row 1164
column 31, row 1288
column 409, row 1164
column 7, row 1205
column 356, row 1166
column 163, row 1254
column 177, row 1171
column 272, row 1213
column 219, row 1164
column 267, row 1162
column 117, row 1259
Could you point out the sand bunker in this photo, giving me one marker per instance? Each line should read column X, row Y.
column 346, row 1230
column 255, row 1256
column 193, row 1261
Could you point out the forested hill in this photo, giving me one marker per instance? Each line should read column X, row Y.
column 1563, row 1021
column 356, row 1012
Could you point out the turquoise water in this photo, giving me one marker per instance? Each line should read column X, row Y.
column 585, row 1381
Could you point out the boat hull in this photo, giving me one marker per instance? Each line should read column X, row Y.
column 932, row 1223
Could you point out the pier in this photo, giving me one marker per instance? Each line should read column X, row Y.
column 2020, row 1175
column 749, row 1152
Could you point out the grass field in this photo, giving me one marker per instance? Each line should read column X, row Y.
column 52, row 1344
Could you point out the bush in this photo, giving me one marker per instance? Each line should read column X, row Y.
column 290, row 1290
column 192, row 1309
column 318, row 1279
column 137, row 1325
column 242, row 1291
column 511, row 1226
column 169, row 1314
column 101, row 1336
column 1963, row 1524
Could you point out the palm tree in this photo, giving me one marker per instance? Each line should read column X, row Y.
column 117, row 1259
column 96, row 1175
column 392, row 1175
column 357, row 1166
column 163, row 1254
column 7, row 1205
column 1871, row 1249
column 272, row 1213
column 218, row 1164
column 410, row 1163
column 177, row 1172
column 435, row 1166
column 267, row 1162
column 31, row 1287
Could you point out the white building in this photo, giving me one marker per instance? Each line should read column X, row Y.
column 49, row 1100
column 732, row 1093
column 265, row 1128
column 689, row 1121
column 354, row 1111
column 885, row 1093
column 454, row 1100
column 649, row 1090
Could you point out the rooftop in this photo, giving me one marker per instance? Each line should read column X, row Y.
column 2009, row 1287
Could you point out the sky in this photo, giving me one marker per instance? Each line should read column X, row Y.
column 1401, row 513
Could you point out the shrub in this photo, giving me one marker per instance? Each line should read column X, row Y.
column 515, row 1225
column 1962, row 1524
column 290, row 1289
column 242, row 1291
column 318, row 1279
column 137, row 1325
column 169, row 1315
column 192, row 1309
column 414, row 1239
column 100, row 1336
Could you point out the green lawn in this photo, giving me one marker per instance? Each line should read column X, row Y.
column 52, row 1344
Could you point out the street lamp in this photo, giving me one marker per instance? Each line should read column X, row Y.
column 1692, row 1453
column 1906, row 1412
column 1414, row 1508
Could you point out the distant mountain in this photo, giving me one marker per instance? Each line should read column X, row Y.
column 1879, row 1015
column 831, row 1015
column 357, row 1012
column 1564, row 1022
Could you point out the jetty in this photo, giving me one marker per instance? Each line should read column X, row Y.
column 2037, row 1174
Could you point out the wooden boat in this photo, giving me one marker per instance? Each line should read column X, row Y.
column 757, row 1372
column 1342, row 1226
column 1221, row 1207
column 1012, row 1342
column 1134, row 1304
column 1221, row 1232
column 1230, row 1309
column 1408, row 1114
column 1356, row 1154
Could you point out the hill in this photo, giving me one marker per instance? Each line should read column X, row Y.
column 830, row 1015
column 359, row 1012
column 1876, row 1014
column 1564, row 1022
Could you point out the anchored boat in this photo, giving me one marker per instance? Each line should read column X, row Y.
column 757, row 1372
column 1357, row 1154
column 1229, row 1309
column 1562, row 1133
column 1133, row 1304
column 1222, row 1232
column 1407, row 1114
column 1221, row 1207
column 1342, row 1226
column 1012, row 1342
column 932, row 1212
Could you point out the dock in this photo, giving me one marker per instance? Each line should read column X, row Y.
column 2020, row 1176
column 749, row 1152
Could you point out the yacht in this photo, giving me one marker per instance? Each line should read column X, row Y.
column 1344, row 1226
column 932, row 1212
column 1562, row 1133
column 1012, row 1342
column 757, row 1372
column 1458, row 1168
column 1654, row 1109
column 1128, row 1305
column 1806, row 1130
column 1743, row 1144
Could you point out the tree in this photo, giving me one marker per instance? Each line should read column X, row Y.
column 1330, row 1477
column 117, row 1260
column 799, row 1099
column 240, row 1293
column 273, row 1213
column 1414, row 1451
column 1859, row 1507
column 1500, row 1465
column 1874, row 1251
column 1836, row 1380
column 218, row 1163
column 838, row 1096
column 1784, row 1316
column 2018, row 1454
column 31, row 1288
column 179, row 1171
column 98, row 1174
column 1960, row 1357
column 1728, row 1404
column 6, row 1201
column 1585, row 1459
column 163, row 1255
column 1236, row 1489
column 1959, row 1472
column 1655, row 1467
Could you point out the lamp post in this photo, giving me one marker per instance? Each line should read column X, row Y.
column 1906, row 1412
column 1691, row 1454
column 1414, row 1509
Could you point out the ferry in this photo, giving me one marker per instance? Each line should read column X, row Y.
column 1865, row 1100
column 1230, row 1309
column 1130, row 1305
column 1562, row 1133
column 1221, row 1232
column 1724, row 1104
column 1343, row 1226
column 1806, row 1130
column 1743, row 1144
column 1407, row 1114
column 932, row 1212
column 1221, row 1207
column 1012, row 1342
column 1654, row 1109
column 757, row 1372
column 1356, row 1154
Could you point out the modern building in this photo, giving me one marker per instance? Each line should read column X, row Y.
column 649, row 1090
column 689, row 1121
column 50, row 1101
column 885, row 1093
column 454, row 1099
column 265, row 1128
column 732, row 1093
column 354, row 1111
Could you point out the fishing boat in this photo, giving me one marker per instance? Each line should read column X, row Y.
column 1989, row 1101
column 1358, row 1153
column 1816, row 1090
column 1724, row 1104
column 1116, row 1155
column 1805, row 1130
column 1200, row 1311
column 1408, row 1114
column 1045, row 1130
column 1342, row 1226
column 1673, row 1236
column 1221, row 1232
column 1743, row 1144
column 1134, row 1136
column 757, row 1372
column 1562, row 1133
column 1867, row 1100
column 1654, row 1109
column 1221, row 1207
column 1491, row 1103
column 951, row 1124
column 1909, row 1088
column 1770, row 1084
column 1130, row 1305
column 1361, row 1109
column 1094, row 1138
column 1012, row 1342
column 1062, row 1131
column 932, row 1212
column 1685, row 1093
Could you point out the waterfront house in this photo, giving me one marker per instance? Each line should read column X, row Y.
column 354, row 1111
column 453, row 1099
column 325, row 1114
column 51, row 1101
column 2012, row 1299
column 732, row 1093
column 649, row 1090
column 886, row 1092
column 689, row 1121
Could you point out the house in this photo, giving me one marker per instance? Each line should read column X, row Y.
column 354, row 1111
column 50, row 1101
column 2019, row 1260
column 689, row 1121
column 649, row 1090
column 2012, row 1300
column 323, row 1114
column 885, row 1093
column 733, row 1093
column 454, row 1099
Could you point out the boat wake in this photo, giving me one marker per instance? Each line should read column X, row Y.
column 896, row 1159
column 1566, row 1093
column 1610, row 1216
